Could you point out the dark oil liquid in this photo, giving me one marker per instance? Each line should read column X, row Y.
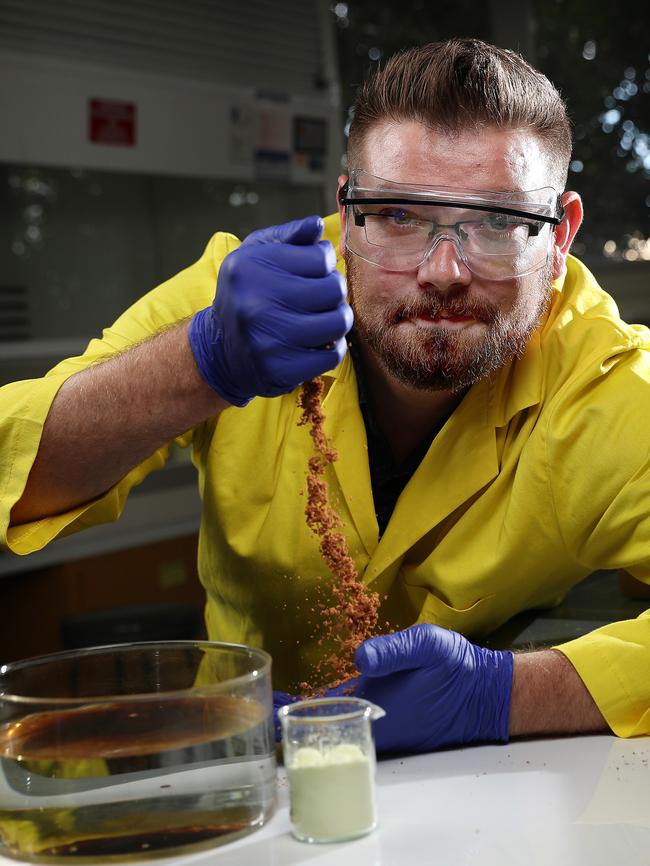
column 155, row 841
column 127, row 728
column 135, row 778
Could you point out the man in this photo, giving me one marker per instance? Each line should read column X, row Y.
column 489, row 419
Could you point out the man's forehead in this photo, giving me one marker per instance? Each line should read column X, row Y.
column 484, row 158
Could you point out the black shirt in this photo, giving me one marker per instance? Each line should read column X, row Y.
column 388, row 476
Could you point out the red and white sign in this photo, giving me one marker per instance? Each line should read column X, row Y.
column 112, row 122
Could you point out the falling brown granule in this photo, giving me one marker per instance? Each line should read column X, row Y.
column 349, row 615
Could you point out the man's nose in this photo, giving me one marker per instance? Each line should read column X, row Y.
column 444, row 266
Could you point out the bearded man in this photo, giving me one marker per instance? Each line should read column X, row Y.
column 484, row 406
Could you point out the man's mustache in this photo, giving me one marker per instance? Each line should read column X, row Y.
column 431, row 307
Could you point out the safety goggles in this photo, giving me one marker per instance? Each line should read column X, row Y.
column 498, row 235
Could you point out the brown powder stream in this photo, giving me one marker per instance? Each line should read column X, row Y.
column 350, row 614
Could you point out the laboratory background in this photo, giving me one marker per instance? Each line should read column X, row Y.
column 132, row 130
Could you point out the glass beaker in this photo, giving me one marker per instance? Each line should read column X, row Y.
column 329, row 754
column 134, row 750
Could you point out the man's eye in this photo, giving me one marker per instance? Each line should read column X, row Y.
column 500, row 222
column 400, row 217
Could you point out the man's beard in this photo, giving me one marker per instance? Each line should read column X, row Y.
column 432, row 358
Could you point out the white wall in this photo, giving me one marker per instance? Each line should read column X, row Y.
column 185, row 127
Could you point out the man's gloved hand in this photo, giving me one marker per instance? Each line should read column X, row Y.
column 279, row 316
column 436, row 687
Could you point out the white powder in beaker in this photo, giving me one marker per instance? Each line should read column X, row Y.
column 332, row 793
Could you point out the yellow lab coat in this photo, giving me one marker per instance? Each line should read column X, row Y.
column 538, row 478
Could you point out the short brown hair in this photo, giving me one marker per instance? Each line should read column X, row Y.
column 459, row 84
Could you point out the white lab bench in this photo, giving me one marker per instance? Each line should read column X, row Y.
column 575, row 801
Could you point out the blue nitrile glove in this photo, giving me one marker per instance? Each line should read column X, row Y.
column 436, row 687
column 279, row 316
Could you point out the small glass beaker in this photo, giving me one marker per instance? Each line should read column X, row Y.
column 329, row 754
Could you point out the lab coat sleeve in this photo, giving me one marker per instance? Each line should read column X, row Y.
column 598, row 450
column 24, row 405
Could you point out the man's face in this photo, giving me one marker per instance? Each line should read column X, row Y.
column 438, row 326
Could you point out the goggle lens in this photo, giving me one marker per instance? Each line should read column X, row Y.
column 398, row 228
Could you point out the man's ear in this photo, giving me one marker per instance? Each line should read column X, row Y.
column 566, row 231
column 342, row 180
